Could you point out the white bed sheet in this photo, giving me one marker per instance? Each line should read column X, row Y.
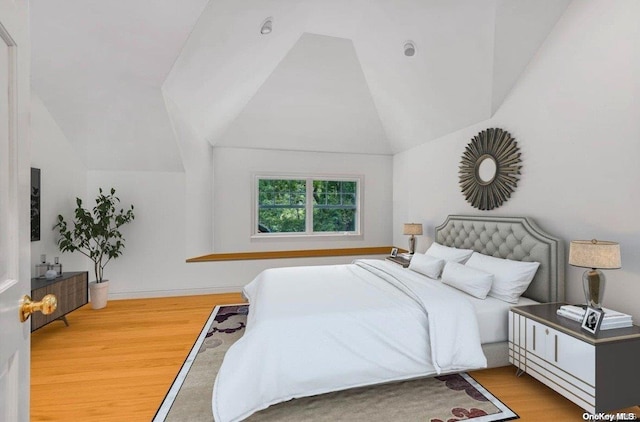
column 493, row 316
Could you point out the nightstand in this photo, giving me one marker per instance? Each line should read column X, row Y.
column 399, row 260
column 598, row 373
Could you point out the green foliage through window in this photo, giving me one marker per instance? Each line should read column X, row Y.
column 283, row 205
column 334, row 206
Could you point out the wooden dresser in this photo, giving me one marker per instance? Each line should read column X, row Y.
column 72, row 292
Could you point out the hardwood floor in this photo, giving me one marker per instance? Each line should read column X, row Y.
column 117, row 363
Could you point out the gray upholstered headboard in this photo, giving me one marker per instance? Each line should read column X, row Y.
column 516, row 238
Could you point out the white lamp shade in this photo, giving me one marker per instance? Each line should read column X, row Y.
column 412, row 228
column 595, row 254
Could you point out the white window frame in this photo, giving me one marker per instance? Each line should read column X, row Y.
column 309, row 178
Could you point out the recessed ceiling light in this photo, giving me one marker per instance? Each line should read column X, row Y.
column 409, row 49
column 267, row 26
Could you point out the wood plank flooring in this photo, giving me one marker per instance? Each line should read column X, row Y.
column 117, row 363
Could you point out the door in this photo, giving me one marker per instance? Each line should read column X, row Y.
column 14, row 210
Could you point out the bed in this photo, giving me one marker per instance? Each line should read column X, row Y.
column 313, row 330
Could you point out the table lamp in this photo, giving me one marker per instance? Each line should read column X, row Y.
column 596, row 255
column 412, row 229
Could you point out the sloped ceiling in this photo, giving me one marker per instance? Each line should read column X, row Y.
column 330, row 77
column 316, row 99
column 98, row 67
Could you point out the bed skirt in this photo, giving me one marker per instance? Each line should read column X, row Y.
column 497, row 354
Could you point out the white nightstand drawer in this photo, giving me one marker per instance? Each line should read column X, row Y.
column 584, row 399
column 536, row 338
column 573, row 356
column 562, row 351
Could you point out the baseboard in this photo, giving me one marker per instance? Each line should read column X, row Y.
column 174, row 292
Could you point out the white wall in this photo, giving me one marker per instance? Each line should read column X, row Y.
column 574, row 113
column 233, row 183
column 63, row 178
column 520, row 29
column 197, row 160
column 154, row 258
column 174, row 210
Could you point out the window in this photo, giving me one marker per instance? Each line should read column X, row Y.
column 307, row 205
column 282, row 206
column 334, row 206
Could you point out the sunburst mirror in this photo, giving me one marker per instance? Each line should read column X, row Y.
column 490, row 168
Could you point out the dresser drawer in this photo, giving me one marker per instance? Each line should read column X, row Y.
column 573, row 356
column 563, row 352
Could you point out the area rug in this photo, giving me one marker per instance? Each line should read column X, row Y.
column 446, row 398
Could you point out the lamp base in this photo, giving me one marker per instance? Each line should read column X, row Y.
column 593, row 282
column 412, row 245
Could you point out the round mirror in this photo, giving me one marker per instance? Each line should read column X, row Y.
column 490, row 168
column 486, row 169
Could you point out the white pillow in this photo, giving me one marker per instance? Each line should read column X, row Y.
column 427, row 265
column 477, row 283
column 511, row 277
column 448, row 254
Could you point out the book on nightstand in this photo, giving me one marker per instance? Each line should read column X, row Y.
column 612, row 319
column 399, row 260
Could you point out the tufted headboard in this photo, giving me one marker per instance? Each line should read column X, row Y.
column 516, row 238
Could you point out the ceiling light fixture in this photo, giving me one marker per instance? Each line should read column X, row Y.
column 409, row 49
column 267, row 26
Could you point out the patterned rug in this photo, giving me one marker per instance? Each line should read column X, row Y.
column 447, row 398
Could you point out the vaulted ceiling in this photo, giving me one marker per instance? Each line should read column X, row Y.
column 117, row 75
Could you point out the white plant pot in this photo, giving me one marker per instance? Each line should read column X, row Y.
column 99, row 294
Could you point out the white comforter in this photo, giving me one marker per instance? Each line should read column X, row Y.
column 312, row 330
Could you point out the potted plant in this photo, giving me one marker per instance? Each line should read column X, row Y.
column 96, row 234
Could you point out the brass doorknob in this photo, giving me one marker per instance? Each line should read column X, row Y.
column 47, row 305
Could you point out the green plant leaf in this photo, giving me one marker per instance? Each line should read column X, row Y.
column 95, row 233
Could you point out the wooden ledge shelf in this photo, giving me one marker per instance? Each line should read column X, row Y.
column 304, row 253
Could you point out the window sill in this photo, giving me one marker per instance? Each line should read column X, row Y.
column 344, row 235
column 304, row 253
